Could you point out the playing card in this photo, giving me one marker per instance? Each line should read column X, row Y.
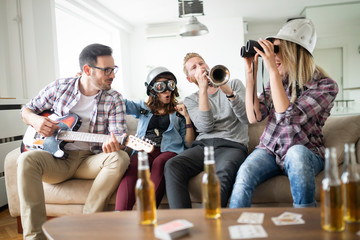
column 174, row 225
column 288, row 218
column 251, row 218
column 287, row 221
column 247, row 231
column 173, row 229
column 290, row 215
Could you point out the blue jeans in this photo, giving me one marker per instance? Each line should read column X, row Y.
column 300, row 165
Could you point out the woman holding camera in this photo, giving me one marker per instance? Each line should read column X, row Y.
column 163, row 121
column 297, row 101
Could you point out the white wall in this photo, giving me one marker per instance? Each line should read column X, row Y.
column 3, row 49
column 336, row 26
column 339, row 26
column 10, row 58
column 220, row 46
column 258, row 30
column 29, row 47
column 39, row 44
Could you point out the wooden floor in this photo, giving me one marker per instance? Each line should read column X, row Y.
column 8, row 225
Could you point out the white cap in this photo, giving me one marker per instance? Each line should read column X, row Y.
column 299, row 31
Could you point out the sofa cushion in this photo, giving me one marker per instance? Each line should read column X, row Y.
column 67, row 192
column 70, row 192
column 69, row 196
column 255, row 132
column 339, row 130
column 131, row 123
column 274, row 190
column 277, row 190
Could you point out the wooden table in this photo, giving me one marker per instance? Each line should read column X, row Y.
column 124, row 225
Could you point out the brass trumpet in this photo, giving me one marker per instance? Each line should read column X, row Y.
column 218, row 75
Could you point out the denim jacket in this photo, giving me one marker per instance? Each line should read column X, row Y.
column 173, row 139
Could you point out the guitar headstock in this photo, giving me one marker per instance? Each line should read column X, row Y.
column 139, row 144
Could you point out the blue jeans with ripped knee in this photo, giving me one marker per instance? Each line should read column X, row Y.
column 300, row 165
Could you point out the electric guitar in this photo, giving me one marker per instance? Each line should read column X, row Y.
column 67, row 133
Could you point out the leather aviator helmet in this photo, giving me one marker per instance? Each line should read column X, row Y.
column 153, row 74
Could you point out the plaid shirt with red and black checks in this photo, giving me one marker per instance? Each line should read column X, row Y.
column 63, row 94
column 302, row 122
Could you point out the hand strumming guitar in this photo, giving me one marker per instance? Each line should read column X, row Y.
column 43, row 125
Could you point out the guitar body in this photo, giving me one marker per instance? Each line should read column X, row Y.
column 34, row 141
column 67, row 133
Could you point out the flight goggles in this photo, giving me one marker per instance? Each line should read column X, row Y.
column 160, row 87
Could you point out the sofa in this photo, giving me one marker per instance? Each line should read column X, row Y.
column 69, row 197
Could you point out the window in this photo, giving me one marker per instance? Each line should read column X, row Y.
column 78, row 26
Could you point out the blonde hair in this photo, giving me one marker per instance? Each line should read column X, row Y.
column 187, row 57
column 301, row 69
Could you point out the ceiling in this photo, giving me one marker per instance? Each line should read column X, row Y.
column 144, row 12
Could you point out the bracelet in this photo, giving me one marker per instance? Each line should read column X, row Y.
column 189, row 125
column 230, row 96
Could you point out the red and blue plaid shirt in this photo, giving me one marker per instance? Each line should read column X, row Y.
column 302, row 122
column 63, row 94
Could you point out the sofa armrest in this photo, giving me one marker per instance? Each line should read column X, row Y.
column 10, row 169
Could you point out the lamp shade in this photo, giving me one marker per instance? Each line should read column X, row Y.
column 193, row 28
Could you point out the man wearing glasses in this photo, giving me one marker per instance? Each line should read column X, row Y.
column 102, row 111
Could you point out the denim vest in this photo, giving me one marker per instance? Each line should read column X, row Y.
column 173, row 139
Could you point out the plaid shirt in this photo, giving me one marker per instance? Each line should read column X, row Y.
column 63, row 94
column 301, row 123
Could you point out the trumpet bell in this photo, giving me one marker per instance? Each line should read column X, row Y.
column 219, row 75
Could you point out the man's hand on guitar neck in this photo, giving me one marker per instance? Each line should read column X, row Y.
column 111, row 144
column 43, row 125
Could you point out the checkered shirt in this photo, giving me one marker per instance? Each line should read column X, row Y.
column 302, row 121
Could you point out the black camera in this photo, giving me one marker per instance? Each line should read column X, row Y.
column 249, row 51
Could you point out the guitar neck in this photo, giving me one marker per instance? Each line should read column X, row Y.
column 85, row 137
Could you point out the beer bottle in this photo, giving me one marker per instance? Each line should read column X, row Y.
column 145, row 192
column 332, row 207
column 351, row 186
column 210, row 185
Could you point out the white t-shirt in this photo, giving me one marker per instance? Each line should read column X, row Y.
column 83, row 109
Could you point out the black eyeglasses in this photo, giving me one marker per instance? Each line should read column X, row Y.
column 107, row 71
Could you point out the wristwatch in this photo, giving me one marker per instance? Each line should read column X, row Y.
column 232, row 95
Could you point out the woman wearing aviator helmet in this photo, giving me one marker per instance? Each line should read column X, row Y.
column 297, row 102
column 160, row 123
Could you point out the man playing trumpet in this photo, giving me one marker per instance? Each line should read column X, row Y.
column 219, row 116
